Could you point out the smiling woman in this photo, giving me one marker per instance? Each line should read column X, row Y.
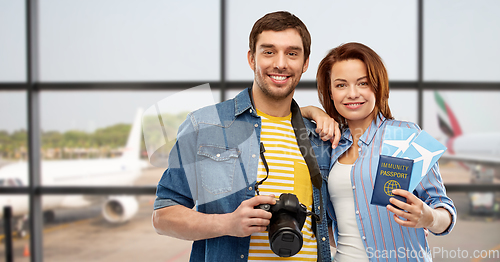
column 354, row 90
column 352, row 93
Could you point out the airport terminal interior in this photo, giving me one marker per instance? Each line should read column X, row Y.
column 89, row 90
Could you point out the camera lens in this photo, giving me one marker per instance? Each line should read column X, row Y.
column 285, row 237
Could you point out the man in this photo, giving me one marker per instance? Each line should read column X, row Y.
column 215, row 162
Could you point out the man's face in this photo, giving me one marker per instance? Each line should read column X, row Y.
column 278, row 62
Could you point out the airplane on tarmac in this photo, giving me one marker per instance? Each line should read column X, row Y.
column 478, row 152
column 472, row 149
column 119, row 171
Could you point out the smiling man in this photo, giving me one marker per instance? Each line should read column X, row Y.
column 215, row 163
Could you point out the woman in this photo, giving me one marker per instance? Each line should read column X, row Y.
column 354, row 89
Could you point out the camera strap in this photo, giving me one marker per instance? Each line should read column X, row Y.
column 262, row 150
column 308, row 153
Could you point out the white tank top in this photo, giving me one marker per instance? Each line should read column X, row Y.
column 349, row 244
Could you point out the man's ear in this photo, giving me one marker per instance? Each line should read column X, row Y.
column 251, row 60
column 306, row 65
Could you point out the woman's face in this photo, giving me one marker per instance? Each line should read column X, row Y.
column 352, row 94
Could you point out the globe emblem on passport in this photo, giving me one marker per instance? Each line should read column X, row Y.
column 390, row 185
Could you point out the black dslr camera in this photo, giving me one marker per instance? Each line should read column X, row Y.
column 288, row 217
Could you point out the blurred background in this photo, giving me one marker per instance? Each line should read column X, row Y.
column 74, row 76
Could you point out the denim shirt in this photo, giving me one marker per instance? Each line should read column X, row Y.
column 383, row 238
column 214, row 163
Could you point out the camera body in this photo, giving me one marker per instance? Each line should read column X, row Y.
column 284, row 230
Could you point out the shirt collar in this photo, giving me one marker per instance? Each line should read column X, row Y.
column 243, row 102
column 370, row 132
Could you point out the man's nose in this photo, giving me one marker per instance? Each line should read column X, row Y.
column 280, row 62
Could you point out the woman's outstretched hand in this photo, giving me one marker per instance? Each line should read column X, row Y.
column 415, row 213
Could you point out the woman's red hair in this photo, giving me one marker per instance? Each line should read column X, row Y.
column 377, row 77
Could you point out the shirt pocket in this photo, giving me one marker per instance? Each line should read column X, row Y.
column 216, row 168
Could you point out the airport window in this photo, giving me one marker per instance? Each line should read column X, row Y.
column 467, row 107
column 72, row 77
column 13, row 44
column 455, row 46
column 90, row 151
column 403, row 104
column 13, row 134
column 389, row 27
column 130, row 41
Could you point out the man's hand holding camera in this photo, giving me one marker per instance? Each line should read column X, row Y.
column 246, row 220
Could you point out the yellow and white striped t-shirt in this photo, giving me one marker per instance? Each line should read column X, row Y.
column 288, row 173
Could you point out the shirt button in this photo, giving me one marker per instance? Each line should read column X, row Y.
column 253, row 155
column 242, row 256
column 353, row 187
column 359, row 149
column 324, row 239
column 251, row 111
column 364, row 238
column 250, row 189
column 218, row 155
column 357, row 212
column 319, row 208
column 256, row 125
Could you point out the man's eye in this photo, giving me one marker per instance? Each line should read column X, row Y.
column 268, row 52
column 292, row 54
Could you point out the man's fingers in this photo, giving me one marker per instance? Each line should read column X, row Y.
column 336, row 137
column 256, row 229
column 328, row 133
column 260, row 213
column 257, row 200
column 258, row 222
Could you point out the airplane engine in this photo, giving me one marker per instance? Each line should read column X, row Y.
column 119, row 209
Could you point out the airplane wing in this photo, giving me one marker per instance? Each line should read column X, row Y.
column 473, row 159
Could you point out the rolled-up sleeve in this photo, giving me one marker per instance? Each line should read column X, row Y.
column 433, row 192
column 177, row 185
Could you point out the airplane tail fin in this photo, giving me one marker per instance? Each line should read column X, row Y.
column 448, row 123
column 133, row 147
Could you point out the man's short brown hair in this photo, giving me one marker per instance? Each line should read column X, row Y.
column 280, row 21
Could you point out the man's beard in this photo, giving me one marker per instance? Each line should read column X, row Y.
column 264, row 87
